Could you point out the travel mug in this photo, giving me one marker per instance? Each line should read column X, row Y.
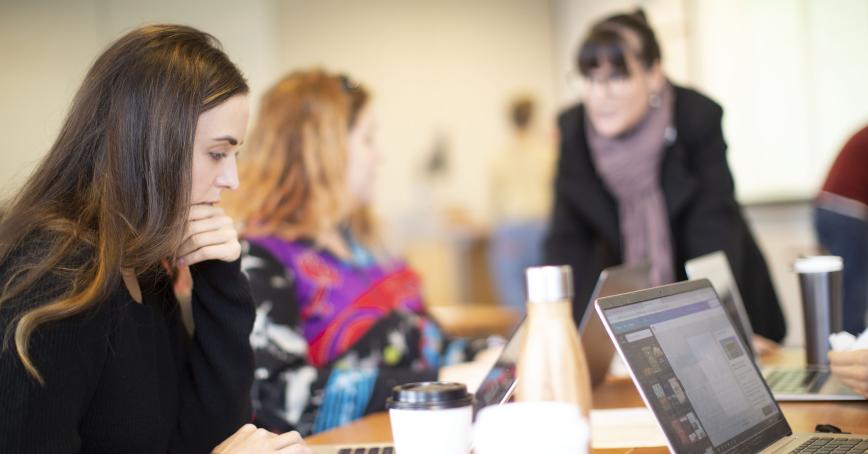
column 820, row 284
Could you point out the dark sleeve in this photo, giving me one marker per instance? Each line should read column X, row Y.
column 69, row 355
column 284, row 378
column 713, row 216
column 569, row 240
column 715, row 222
column 215, row 388
column 15, row 389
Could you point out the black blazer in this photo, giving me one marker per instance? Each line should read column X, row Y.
column 700, row 196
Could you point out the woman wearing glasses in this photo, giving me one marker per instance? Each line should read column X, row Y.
column 643, row 176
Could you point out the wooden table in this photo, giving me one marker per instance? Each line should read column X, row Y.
column 619, row 392
column 475, row 319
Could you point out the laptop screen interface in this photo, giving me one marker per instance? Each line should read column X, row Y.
column 715, row 268
column 696, row 375
column 501, row 379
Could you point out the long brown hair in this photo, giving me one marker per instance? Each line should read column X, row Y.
column 296, row 159
column 116, row 183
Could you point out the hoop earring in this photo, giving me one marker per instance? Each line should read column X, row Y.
column 654, row 100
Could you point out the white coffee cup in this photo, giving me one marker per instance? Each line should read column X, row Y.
column 524, row 427
column 431, row 418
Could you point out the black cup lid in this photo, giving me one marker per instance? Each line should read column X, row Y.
column 429, row 395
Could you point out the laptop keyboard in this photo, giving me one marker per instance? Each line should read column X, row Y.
column 795, row 381
column 833, row 445
column 384, row 450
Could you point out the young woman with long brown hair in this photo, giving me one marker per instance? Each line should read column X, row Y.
column 95, row 355
column 339, row 321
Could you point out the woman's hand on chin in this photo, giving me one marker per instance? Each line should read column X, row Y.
column 210, row 235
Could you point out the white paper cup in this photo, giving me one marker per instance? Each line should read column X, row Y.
column 431, row 418
column 529, row 427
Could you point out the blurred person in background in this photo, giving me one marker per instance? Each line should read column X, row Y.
column 643, row 176
column 96, row 356
column 521, row 188
column 339, row 320
column 841, row 223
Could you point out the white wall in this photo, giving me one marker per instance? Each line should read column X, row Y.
column 437, row 69
column 46, row 47
column 790, row 75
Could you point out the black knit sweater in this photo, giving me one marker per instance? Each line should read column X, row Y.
column 125, row 378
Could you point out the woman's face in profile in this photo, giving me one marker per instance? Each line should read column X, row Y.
column 219, row 134
column 616, row 102
column 363, row 157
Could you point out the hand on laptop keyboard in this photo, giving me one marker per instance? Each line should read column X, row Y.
column 763, row 346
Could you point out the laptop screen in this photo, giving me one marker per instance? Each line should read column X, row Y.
column 498, row 385
column 599, row 349
column 715, row 268
column 695, row 373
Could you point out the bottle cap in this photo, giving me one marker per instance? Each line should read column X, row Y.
column 549, row 284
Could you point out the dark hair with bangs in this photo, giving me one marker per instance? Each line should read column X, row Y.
column 607, row 43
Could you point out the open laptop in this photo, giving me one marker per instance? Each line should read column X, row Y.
column 501, row 381
column 694, row 372
column 715, row 268
column 495, row 389
column 812, row 383
column 599, row 350
column 499, row 385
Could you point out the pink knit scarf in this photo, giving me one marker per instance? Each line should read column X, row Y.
column 629, row 166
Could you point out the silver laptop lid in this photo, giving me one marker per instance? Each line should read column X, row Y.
column 692, row 369
column 715, row 267
column 599, row 349
column 500, row 382
column 614, row 281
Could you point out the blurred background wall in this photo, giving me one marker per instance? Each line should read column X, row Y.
column 790, row 74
